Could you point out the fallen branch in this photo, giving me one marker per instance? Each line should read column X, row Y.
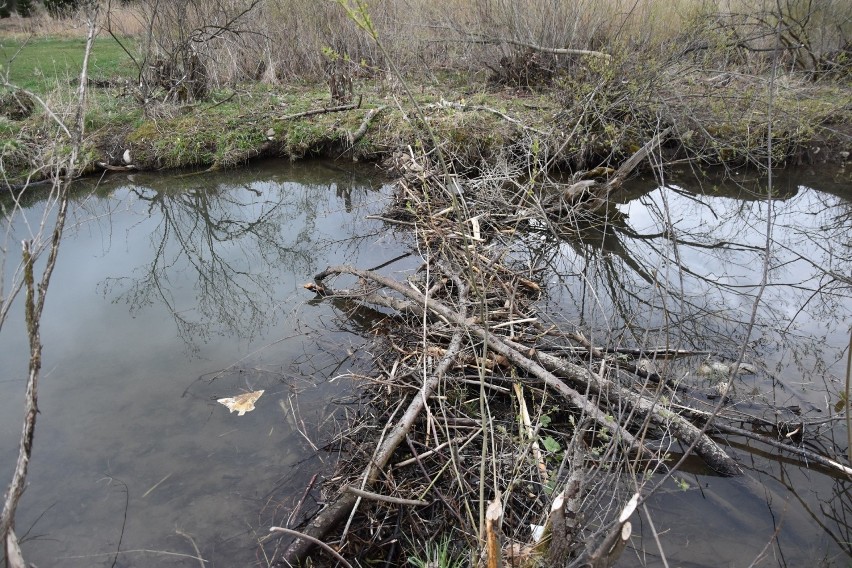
column 354, row 137
column 313, row 540
column 804, row 453
column 320, row 111
column 385, row 498
column 593, row 194
column 542, row 49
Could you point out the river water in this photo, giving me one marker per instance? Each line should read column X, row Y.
column 170, row 293
column 174, row 291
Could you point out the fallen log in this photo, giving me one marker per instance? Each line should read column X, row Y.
column 592, row 195
column 353, row 137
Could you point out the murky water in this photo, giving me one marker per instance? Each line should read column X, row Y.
column 171, row 292
column 174, row 291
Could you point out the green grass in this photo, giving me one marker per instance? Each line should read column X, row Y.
column 39, row 64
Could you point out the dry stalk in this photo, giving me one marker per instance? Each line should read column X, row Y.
column 35, row 295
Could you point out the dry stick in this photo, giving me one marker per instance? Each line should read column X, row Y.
column 804, row 453
column 34, row 304
column 298, row 506
column 14, row 557
column 385, row 498
column 553, row 50
column 847, row 399
column 353, row 137
column 341, row 506
column 194, row 546
column 496, row 344
column 134, row 551
column 318, row 111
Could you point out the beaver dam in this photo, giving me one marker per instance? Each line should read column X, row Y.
column 538, row 383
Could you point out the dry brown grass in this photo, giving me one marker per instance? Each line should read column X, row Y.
column 127, row 19
column 297, row 38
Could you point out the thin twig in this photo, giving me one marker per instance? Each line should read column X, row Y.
column 318, row 111
column 194, row 546
column 385, row 498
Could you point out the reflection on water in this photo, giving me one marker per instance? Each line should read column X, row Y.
column 175, row 291
column 681, row 268
column 171, row 292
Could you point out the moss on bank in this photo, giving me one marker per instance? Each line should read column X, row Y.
column 577, row 123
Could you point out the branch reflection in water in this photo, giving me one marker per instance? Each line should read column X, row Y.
column 227, row 243
column 202, row 279
column 679, row 268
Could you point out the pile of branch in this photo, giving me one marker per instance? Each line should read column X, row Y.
column 497, row 431
column 490, row 427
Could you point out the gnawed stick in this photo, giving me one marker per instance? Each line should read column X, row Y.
column 630, row 163
column 592, row 194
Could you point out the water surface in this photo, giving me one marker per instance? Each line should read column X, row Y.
column 171, row 292
column 174, row 291
column 680, row 264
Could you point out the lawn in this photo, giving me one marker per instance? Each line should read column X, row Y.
column 38, row 63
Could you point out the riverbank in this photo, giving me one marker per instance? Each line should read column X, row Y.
column 574, row 124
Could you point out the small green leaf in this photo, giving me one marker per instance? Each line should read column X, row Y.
column 550, row 444
column 545, row 420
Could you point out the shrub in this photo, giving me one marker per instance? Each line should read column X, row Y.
column 61, row 8
column 25, row 8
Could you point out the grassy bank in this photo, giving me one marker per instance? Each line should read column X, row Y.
column 490, row 79
column 571, row 125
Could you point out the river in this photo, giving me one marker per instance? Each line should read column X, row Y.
column 173, row 291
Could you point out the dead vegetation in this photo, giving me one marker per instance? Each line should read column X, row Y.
column 494, row 430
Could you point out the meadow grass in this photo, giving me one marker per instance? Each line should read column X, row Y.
column 41, row 64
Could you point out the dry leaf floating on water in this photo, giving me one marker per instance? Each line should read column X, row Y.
column 241, row 403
